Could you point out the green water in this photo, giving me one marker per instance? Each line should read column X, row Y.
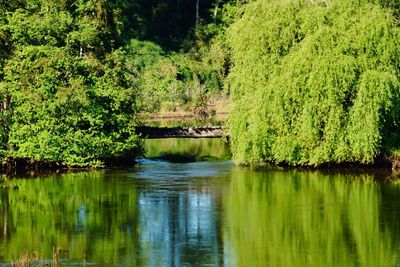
column 187, row 149
column 202, row 213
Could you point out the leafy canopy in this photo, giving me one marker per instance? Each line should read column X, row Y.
column 66, row 92
column 314, row 82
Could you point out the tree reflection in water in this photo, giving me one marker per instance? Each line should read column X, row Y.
column 208, row 213
column 291, row 218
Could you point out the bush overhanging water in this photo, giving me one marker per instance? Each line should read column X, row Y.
column 314, row 82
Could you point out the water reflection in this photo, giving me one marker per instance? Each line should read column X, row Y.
column 177, row 230
column 203, row 214
column 179, row 212
column 91, row 217
column 280, row 218
column 187, row 149
column 119, row 218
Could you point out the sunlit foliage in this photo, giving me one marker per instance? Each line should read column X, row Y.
column 73, row 74
column 66, row 93
column 67, row 109
column 314, row 82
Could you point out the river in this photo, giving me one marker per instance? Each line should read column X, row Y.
column 187, row 204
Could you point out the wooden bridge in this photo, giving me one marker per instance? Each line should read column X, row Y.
column 181, row 132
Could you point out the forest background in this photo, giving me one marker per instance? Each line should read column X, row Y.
column 310, row 82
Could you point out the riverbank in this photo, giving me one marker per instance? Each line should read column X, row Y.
column 28, row 167
column 389, row 163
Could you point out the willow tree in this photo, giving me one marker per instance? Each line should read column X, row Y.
column 314, row 82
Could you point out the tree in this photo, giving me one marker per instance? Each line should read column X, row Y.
column 314, row 83
column 66, row 92
column 67, row 109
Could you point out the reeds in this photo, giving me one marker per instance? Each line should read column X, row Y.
column 56, row 256
column 27, row 259
column 31, row 259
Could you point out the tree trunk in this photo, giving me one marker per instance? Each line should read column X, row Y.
column 197, row 12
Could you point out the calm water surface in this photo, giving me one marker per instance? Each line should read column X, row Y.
column 199, row 209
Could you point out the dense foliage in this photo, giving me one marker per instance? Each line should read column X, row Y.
column 315, row 82
column 68, row 109
column 311, row 81
column 184, row 61
column 67, row 95
column 180, row 81
column 74, row 74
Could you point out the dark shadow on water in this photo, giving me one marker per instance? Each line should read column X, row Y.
column 176, row 158
column 186, row 158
